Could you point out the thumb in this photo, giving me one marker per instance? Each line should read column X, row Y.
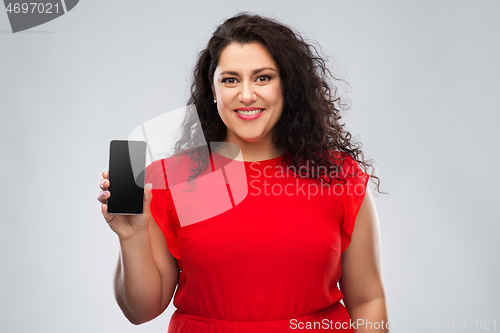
column 148, row 191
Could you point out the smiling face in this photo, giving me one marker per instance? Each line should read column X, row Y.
column 249, row 96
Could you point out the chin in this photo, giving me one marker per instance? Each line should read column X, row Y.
column 252, row 139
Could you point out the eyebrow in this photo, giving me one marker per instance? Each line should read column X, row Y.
column 257, row 71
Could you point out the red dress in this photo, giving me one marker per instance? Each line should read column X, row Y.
column 271, row 262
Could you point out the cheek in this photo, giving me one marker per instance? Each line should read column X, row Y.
column 226, row 97
column 275, row 96
column 277, row 102
column 224, row 114
column 221, row 112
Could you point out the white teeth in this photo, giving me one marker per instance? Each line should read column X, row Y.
column 249, row 113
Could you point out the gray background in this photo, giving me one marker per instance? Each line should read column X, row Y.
column 425, row 82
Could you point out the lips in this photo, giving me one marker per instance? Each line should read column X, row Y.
column 249, row 113
column 248, row 109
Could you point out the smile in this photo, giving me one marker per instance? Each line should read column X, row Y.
column 249, row 113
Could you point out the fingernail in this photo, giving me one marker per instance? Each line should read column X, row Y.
column 104, row 193
column 103, row 182
column 149, row 186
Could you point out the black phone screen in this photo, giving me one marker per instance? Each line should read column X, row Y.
column 127, row 164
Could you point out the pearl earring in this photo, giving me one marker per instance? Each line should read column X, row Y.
column 215, row 101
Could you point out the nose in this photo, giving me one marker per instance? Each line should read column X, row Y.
column 247, row 93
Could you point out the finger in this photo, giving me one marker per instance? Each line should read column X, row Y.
column 104, row 184
column 148, row 196
column 104, row 210
column 105, row 174
column 103, row 196
column 148, row 192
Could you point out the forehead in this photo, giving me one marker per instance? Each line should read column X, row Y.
column 245, row 57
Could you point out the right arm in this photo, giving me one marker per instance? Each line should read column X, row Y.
column 147, row 273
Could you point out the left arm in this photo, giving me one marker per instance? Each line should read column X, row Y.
column 361, row 281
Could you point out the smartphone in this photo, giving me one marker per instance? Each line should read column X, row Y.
column 127, row 171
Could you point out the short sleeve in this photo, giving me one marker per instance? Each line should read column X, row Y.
column 354, row 194
column 162, row 205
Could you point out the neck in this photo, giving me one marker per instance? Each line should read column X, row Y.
column 250, row 151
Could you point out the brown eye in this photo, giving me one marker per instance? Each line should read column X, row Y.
column 229, row 80
column 263, row 78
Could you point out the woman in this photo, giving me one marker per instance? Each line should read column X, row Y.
column 271, row 262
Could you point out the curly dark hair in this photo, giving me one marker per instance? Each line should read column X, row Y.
column 309, row 128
